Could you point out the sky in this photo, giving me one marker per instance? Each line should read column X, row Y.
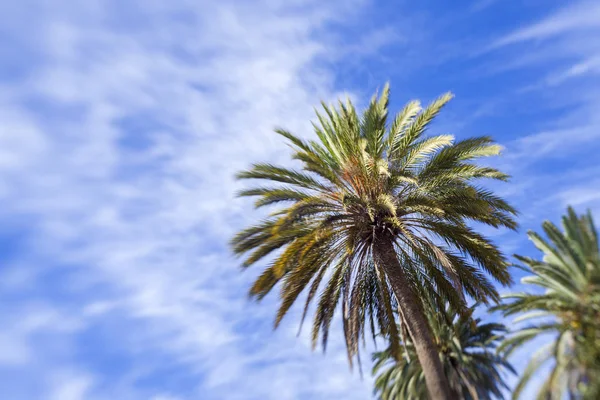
column 122, row 124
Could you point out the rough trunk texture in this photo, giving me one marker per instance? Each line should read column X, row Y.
column 387, row 259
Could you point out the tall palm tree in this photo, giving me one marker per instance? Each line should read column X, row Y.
column 467, row 349
column 376, row 210
column 568, row 307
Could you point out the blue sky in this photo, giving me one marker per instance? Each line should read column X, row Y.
column 122, row 123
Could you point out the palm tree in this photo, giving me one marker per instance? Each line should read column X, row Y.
column 467, row 349
column 377, row 210
column 568, row 307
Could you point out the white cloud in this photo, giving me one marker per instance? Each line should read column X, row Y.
column 558, row 48
column 481, row 5
column 562, row 43
column 582, row 196
column 70, row 386
column 589, row 65
column 554, row 167
column 119, row 146
column 582, row 15
column 13, row 350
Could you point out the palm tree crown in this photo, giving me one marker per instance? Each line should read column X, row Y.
column 376, row 204
column 467, row 348
column 569, row 308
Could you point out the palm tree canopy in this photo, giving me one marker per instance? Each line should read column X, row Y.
column 467, row 348
column 366, row 176
column 569, row 308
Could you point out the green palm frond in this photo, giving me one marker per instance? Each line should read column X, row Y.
column 364, row 177
column 569, row 273
column 467, row 348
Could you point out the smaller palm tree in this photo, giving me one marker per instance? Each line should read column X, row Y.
column 568, row 307
column 467, row 349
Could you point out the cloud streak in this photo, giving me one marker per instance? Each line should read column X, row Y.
column 119, row 144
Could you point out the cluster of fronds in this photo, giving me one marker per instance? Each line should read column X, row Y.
column 569, row 308
column 467, row 349
column 363, row 176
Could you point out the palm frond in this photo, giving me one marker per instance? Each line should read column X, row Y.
column 467, row 348
column 569, row 274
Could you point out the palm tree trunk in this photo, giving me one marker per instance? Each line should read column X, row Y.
column 418, row 327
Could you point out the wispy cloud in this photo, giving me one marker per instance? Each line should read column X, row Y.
column 566, row 89
column 70, row 386
column 482, row 5
column 553, row 166
column 120, row 137
column 580, row 16
column 122, row 126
